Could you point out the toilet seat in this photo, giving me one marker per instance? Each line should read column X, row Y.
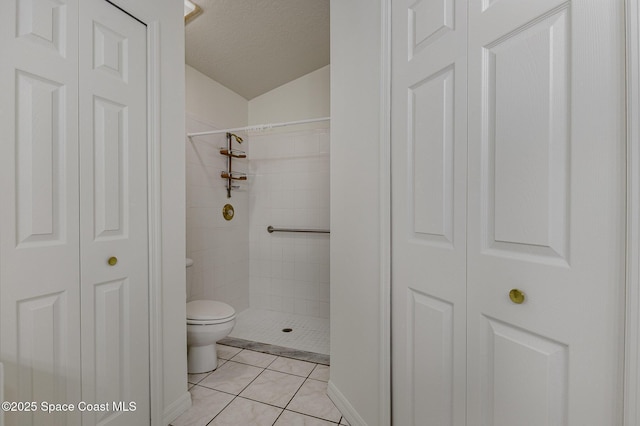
column 206, row 312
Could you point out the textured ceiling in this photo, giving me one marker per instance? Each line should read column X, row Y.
column 253, row 46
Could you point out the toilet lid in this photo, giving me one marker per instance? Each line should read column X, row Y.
column 203, row 310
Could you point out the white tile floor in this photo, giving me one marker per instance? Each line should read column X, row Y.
column 259, row 325
column 254, row 389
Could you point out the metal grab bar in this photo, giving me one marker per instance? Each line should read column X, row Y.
column 271, row 229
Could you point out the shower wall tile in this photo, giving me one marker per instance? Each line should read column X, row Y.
column 324, row 145
column 289, row 187
column 219, row 248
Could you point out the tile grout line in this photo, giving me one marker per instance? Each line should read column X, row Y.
column 223, row 408
column 281, row 372
column 217, row 390
column 311, row 415
column 208, row 373
column 234, row 398
column 226, row 405
column 296, row 392
column 263, row 369
column 242, row 390
column 294, row 395
column 316, row 417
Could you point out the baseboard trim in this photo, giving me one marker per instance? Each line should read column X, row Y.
column 177, row 407
column 344, row 406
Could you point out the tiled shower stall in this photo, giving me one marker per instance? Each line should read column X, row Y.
column 273, row 280
column 289, row 188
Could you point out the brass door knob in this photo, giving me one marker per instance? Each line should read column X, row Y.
column 112, row 260
column 516, row 296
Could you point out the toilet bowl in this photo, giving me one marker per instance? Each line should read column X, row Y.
column 207, row 322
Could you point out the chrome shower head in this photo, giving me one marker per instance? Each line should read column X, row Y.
column 238, row 138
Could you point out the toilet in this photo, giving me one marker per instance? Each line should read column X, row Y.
column 207, row 322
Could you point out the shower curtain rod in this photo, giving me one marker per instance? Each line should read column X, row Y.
column 259, row 127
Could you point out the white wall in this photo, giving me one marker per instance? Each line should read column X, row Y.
column 212, row 102
column 219, row 248
column 290, row 189
column 355, row 383
column 166, row 16
column 300, row 99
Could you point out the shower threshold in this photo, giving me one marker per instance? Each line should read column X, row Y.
column 276, row 350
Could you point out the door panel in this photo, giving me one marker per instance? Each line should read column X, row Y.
column 431, row 153
column 430, row 351
column 40, row 114
column 546, row 212
column 526, row 139
column 39, row 274
column 46, row 23
column 429, row 211
column 529, row 392
column 113, row 187
column 109, row 120
column 112, row 342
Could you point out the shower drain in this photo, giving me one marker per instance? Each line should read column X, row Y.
column 287, row 330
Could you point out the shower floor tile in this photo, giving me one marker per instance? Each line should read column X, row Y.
column 259, row 325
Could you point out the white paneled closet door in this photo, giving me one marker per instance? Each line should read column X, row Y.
column 73, row 193
column 113, row 212
column 39, row 234
column 544, row 172
column 546, row 212
column 429, row 126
